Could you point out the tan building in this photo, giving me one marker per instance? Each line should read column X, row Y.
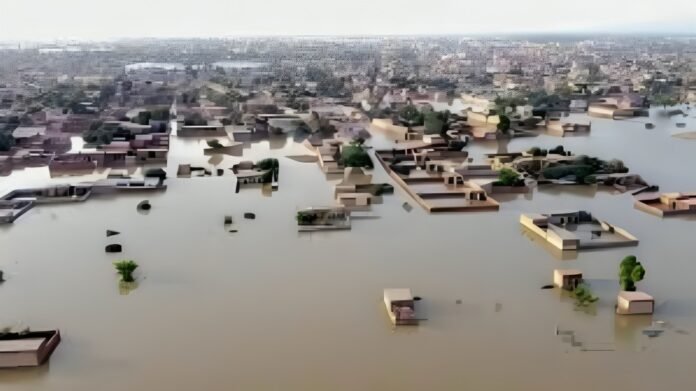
column 635, row 303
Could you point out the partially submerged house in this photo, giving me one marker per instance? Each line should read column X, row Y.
column 578, row 230
column 429, row 173
column 635, row 303
column 667, row 204
column 560, row 128
column 323, row 219
column 28, row 349
column 400, row 306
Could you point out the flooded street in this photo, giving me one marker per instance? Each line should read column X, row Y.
column 267, row 308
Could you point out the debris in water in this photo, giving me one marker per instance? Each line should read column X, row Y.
column 652, row 333
column 233, row 231
column 110, row 233
column 228, row 220
column 144, row 205
column 113, row 248
column 417, row 298
column 458, row 301
column 547, row 287
column 220, row 172
column 2, row 276
column 407, row 207
column 249, row 216
column 498, row 307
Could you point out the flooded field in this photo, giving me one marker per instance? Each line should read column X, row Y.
column 267, row 308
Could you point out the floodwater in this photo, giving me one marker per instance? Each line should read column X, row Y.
column 267, row 308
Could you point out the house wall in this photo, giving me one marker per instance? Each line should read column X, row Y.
column 388, row 125
column 18, row 359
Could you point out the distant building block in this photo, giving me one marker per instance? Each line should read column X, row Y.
column 634, row 303
column 567, row 279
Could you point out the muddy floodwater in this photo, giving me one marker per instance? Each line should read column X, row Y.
column 266, row 308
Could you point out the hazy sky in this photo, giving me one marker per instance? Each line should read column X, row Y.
column 100, row 19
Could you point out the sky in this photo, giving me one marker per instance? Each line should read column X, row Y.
column 104, row 19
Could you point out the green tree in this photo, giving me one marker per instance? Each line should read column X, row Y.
column 664, row 101
column 411, row 115
column 508, row 177
column 436, row 122
column 126, row 268
column 355, row 155
column 630, row 272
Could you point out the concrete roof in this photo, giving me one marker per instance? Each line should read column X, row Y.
column 635, row 296
column 398, row 294
column 29, row 131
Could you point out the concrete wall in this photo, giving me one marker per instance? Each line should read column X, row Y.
column 388, row 125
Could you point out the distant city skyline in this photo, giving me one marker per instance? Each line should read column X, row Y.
column 48, row 20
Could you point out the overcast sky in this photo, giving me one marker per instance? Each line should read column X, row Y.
column 103, row 19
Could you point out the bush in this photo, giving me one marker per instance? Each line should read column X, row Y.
column 6, row 141
column 536, row 151
column 580, row 172
column 435, row 122
column 214, row 143
column 306, row 218
column 354, row 155
column 509, row 177
column 126, row 268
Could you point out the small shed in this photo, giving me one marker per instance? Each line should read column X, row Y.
column 567, row 279
column 635, row 303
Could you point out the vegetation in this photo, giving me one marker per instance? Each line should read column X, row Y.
column 630, row 272
column 411, row 115
column 6, row 141
column 504, row 124
column 501, row 104
column 583, row 168
column 536, row 151
column 306, row 218
column 664, row 101
column 541, row 98
column 214, row 143
column 583, row 295
column 509, row 177
column 436, row 122
column 126, row 268
column 97, row 134
column 273, row 167
column 355, row 155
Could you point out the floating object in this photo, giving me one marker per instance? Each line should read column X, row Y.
column 400, row 306
column 110, row 233
column 652, row 333
column 144, row 205
column 649, row 125
column 228, row 220
column 113, row 248
column 681, row 125
column 249, row 216
column 2, row 276
column 220, row 172
column 27, row 348
column 458, row 301
column 407, row 207
column 547, row 287
column 233, row 231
